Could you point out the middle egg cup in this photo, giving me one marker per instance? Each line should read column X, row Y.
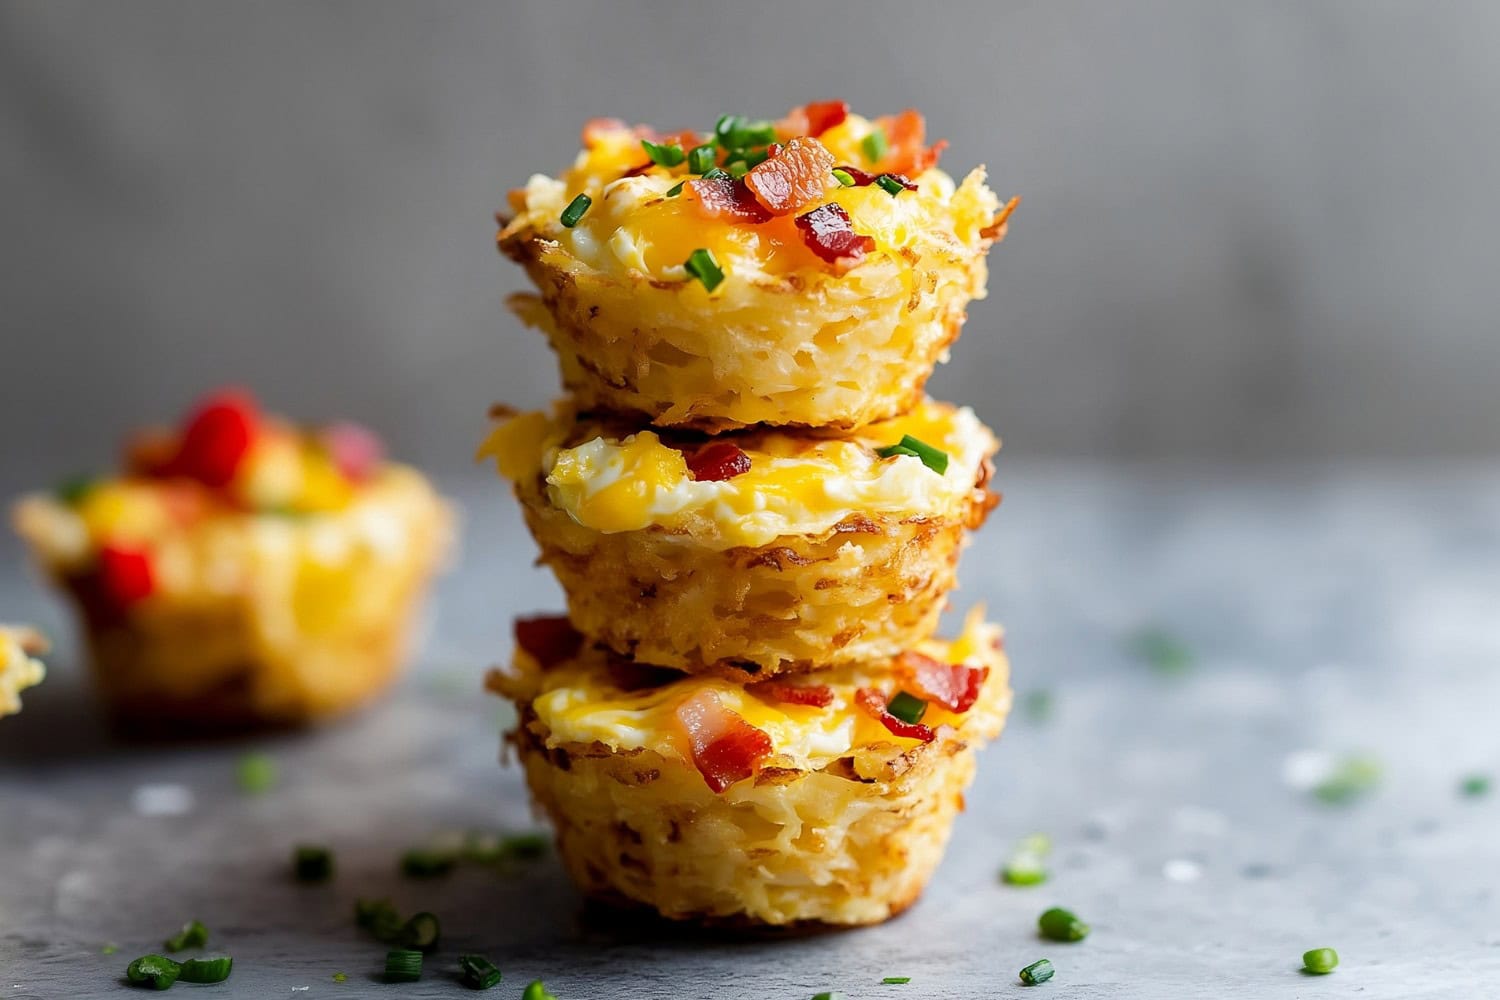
column 756, row 553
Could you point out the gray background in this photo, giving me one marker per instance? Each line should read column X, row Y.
column 1249, row 230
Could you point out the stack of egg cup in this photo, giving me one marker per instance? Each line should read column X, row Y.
column 755, row 513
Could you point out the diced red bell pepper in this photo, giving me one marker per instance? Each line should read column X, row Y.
column 125, row 576
column 217, row 438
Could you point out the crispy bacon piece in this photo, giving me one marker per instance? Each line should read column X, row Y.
column 874, row 703
column 817, row 695
column 723, row 198
column 863, row 179
column 725, row 747
column 953, row 685
column 354, row 449
column 812, row 119
column 217, row 438
column 150, row 452
column 124, row 575
column 907, row 151
column 718, row 461
column 828, row 232
column 627, row 675
column 548, row 639
column 790, row 178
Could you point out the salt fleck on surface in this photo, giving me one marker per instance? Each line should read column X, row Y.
column 1182, row 870
column 1306, row 769
column 300, row 989
column 162, row 800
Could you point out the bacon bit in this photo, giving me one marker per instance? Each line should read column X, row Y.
column 863, row 179
column 723, row 198
column 953, row 685
column 725, row 747
column 906, row 143
column 812, row 119
column 628, row 675
column 790, row 179
column 874, row 703
column 718, row 461
column 817, row 695
column 354, row 449
column 548, row 639
column 828, row 232
column 217, row 438
column 124, row 575
column 150, row 452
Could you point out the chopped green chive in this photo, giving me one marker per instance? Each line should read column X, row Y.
column 1353, row 778
column 378, row 917
column 895, row 980
column 341, row 977
column 575, row 210
column 421, row 932
column 155, row 971
column 536, row 991
column 1320, row 961
column 737, row 132
column 403, row 965
column 207, row 970
column 663, row 155
column 312, row 863
column 890, row 185
column 738, row 170
column 71, row 491
column 1037, row 972
column 675, row 189
column 192, row 935
column 934, row 458
column 843, row 177
column 1027, row 865
column 1475, row 786
column 832, row 995
column 1161, row 651
column 425, row 862
column 701, row 159
column 907, row 707
column 479, row 972
column 716, row 174
column 109, row 949
column 874, row 145
column 525, row 846
column 256, row 773
column 701, row 265
column 1058, row 924
column 1037, row 705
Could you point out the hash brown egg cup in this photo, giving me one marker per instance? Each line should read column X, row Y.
column 243, row 573
column 19, row 667
column 755, row 553
column 818, row 289
column 793, row 802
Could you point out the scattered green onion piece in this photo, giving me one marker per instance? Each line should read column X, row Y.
column 1058, row 924
column 1161, row 651
column 874, row 145
column 256, row 773
column 207, row 970
column 341, row 977
column 312, row 863
column 663, row 155
column 1027, row 864
column 425, row 862
column 832, row 995
column 525, row 846
column 1037, row 972
column 701, row 265
column 380, row 918
column 895, row 980
column 716, row 174
column 1352, row 779
column 907, row 707
column 192, row 935
column 737, row 132
column 72, row 491
column 421, row 932
column 755, row 157
column 403, row 965
column 675, row 189
column 724, row 130
column 155, row 971
column 479, row 972
column 890, row 185
column 536, row 991
column 1475, row 786
column 1320, row 961
column 738, row 170
column 843, row 177
column 109, row 949
column 701, row 159
column 934, row 458
column 1037, row 705
column 575, row 210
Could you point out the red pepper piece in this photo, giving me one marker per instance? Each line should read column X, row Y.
column 874, row 703
column 817, row 695
column 124, row 575
column 828, row 232
column 725, row 747
column 217, row 438
column 953, row 685
column 548, row 639
column 717, row 461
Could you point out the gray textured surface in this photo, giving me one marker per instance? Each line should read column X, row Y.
column 1256, row 228
column 1332, row 611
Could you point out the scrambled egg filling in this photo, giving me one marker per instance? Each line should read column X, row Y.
column 579, row 703
column 634, row 224
column 18, row 669
column 797, row 484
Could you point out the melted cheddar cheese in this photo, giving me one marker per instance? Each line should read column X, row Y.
column 797, row 484
column 578, row 702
